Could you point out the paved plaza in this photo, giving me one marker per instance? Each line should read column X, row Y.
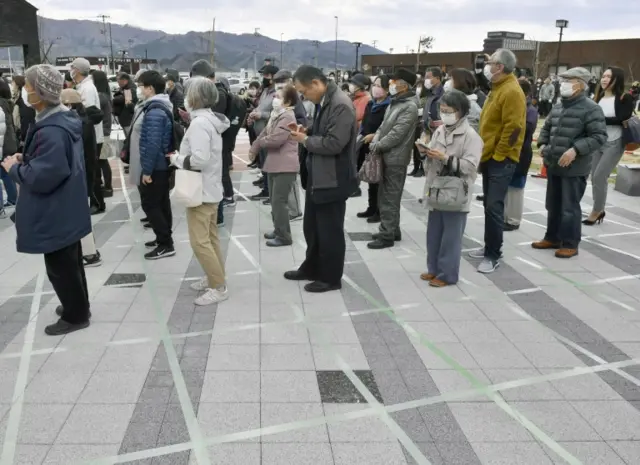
column 536, row 364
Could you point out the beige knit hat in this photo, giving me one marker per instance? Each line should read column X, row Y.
column 46, row 81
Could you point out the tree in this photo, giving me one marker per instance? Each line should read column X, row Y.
column 424, row 43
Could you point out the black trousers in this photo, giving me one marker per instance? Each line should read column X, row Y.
column 156, row 204
column 97, row 199
column 65, row 270
column 323, row 227
column 107, row 175
column 496, row 176
column 564, row 214
column 227, row 162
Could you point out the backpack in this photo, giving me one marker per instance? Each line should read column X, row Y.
column 236, row 111
column 176, row 136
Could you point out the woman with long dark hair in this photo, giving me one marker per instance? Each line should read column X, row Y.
column 103, row 175
column 618, row 108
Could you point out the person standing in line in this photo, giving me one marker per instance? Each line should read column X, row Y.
column 514, row 202
column 52, row 214
column 330, row 179
column 618, row 108
column 502, row 128
column 103, row 168
column 394, row 141
column 81, row 75
column 547, row 92
column 8, row 145
column 201, row 150
column 581, row 122
column 151, row 137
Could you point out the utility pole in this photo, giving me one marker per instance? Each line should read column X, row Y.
column 336, row 54
column 256, row 33
column 281, row 50
column 375, row 42
column 316, row 44
column 213, row 43
column 358, row 45
column 104, row 32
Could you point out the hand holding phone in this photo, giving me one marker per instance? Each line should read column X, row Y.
column 127, row 96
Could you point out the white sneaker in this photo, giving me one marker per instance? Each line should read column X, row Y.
column 212, row 296
column 201, row 285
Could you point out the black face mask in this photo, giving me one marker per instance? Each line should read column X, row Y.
column 266, row 82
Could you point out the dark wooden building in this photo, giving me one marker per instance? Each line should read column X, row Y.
column 19, row 27
column 594, row 55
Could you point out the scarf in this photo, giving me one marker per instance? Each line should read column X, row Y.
column 449, row 129
column 275, row 114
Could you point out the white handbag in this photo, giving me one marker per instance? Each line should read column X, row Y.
column 188, row 188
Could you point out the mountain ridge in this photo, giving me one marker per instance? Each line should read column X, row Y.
column 74, row 37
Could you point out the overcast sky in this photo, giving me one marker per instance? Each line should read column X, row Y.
column 457, row 25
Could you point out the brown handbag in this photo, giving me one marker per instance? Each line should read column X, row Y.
column 371, row 170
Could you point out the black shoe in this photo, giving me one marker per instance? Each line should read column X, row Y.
column 356, row 193
column 480, row 198
column 510, row 227
column 296, row 275
column 59, row 311
column 144, row 220
column 258, row 182
column 91, row 261
column 98, row 210
column 61, row 328
column 228, row 202
column 368, row 213
column 126, row 170
column 262, row 195
column 278, row 242
column 266, row 202
column 413, row 173
column 252, row 166
column 319, row 287
column 397, row 238
column 374, row 219
column 378, row 244
column 151, row 244
column 147, row 225
column 419, row 174
column 598, row 220
column 107, row 193
column 269, row 235
column 162, row 251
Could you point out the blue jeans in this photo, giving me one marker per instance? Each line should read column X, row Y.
column 9, row 186
column 496, row 176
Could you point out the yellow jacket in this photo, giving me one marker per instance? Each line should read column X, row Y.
column 503, row 121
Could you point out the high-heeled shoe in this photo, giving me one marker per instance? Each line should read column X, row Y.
column 598, row 220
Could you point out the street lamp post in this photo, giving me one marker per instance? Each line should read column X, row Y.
column 130, row 60
column 281, row 50
column 256, row 33
column 358, row 45
column 561, row 24
column 336, row 52
column 316, row 44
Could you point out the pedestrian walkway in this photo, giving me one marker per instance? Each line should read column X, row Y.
column 536, row 364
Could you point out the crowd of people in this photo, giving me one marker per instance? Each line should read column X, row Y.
column 305, row 132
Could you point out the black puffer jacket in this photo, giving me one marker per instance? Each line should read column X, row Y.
column 576, row 123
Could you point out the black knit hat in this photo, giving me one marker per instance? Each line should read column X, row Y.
column 406, row 75
column 361, row 81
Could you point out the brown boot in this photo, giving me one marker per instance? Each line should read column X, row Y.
column 435, row 282
column 427, row 276
column 545, row 245
column 566, row 253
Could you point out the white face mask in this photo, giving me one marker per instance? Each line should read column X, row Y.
column 393, row 90
column 25, row 96
column 428, row 84
column 139, row 93
column 448, row 85
column 449, row 119
column 251, row 92
column 566, row 89
column 277, row 103
column 487, row 72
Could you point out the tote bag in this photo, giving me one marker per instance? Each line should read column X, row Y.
column 449, row 192
column 371, row 170
column 188, row 188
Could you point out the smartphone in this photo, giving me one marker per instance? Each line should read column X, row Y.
column 293, row 127
column 422, row 144
column 127, row 95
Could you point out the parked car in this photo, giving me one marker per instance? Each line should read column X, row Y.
column 237, row 86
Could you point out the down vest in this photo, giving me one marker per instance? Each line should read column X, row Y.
column 576, row 123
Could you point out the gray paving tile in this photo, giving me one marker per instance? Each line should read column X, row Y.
column 96, row 424
column 289, row 386
column 233, row 454
column 522, row 453
column 216, row 419
column 589, row 452
column 173, row 433
column 178, row 458
column 273, row 414
column 286, row 357
column 29, row 454
column 371, row 453
column 234, row 357
column 538, row 391
column 143, row 435
column 626, row 426
column 430, row 451
column 311, row 454
column 62, row 454
column 51, row 388
column 558, row 419
column 486, row 422
column 231, row 386
column 113, row 387
column 457, row 453
column 367, row 429
column 629, row 451
column 337, row 388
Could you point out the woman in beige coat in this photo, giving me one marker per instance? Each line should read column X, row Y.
column 455, row 147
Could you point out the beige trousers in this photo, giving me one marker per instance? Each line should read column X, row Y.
column 203, row 236
column 514, row 206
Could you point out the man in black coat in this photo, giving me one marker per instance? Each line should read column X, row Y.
column 124, row 101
